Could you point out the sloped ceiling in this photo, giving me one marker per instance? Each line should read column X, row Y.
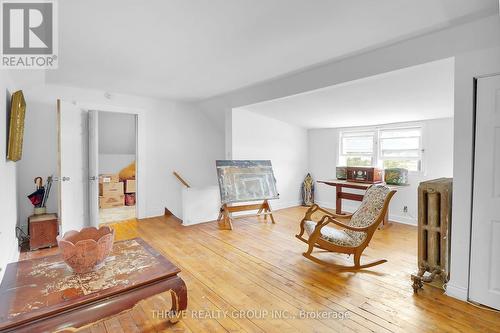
column 192, row 50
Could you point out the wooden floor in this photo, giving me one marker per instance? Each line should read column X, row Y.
column 256, row 273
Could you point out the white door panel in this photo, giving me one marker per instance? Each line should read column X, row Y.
column 93, row 168
column 73, row 166
column 485, row 243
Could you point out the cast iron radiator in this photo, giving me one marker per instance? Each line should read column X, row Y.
column 434, row 225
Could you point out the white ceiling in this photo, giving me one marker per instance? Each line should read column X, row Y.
column 195, row 49
column 410, row 94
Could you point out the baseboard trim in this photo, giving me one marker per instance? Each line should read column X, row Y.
column 276, row 207
column 457, row 292
column 403, row 219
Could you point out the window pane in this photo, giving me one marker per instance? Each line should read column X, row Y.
column 357, row 144
column 411, row 165
column 356, row 161
column 398, row 133
column 400, row 143
column 414, row 153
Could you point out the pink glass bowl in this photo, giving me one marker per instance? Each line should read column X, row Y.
column 85, row 250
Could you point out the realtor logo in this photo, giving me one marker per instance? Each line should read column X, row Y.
column 29, row 38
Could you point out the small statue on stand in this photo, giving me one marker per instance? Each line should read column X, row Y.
column 308, row 191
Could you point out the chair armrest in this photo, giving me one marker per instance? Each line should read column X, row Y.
column 343, row 225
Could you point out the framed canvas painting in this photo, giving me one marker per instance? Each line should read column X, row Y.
column 246, row 180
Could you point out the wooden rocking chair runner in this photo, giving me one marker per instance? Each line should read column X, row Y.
column 356, row 230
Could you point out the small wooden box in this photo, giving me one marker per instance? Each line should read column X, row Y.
column 369, row 175
column 43, row 230
column 111, row 201
column 110, row 189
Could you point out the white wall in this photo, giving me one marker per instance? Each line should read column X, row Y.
column 323, row 150
column 438, row 162
column 39, row 156
column 116, row 133
column 117, row 141
column 255, row 137
column 175, row 136
column 114, row 163
column 8, row 197
column 10, row 81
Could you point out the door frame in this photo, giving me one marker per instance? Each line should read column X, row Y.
column 467, row 67
column 139, row 148
column 58, row 171
column 473, row 173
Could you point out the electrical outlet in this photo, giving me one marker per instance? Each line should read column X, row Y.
column 405, row 209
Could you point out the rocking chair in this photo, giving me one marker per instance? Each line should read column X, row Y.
column 356, row 229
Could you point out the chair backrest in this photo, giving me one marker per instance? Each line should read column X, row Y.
column 371, row 206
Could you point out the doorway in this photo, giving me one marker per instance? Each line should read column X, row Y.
column 112, row 166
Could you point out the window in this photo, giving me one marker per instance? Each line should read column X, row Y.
column 382, row 147
column 358, row 148
column 401, row 148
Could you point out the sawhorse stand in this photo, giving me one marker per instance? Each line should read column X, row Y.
column 225, row 218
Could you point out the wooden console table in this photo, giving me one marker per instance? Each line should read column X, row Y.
column 43, row 295
column 340, row 184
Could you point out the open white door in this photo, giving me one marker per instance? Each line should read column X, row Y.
column 72, row 166
column 94, row 168
column 484, row 285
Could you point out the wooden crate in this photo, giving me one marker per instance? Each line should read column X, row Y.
column 111, row 189
column 111, row 201
column 434, row 224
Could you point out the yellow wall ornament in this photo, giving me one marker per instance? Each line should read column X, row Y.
column 16, row 127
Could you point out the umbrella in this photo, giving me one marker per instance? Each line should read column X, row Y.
column 36, row 197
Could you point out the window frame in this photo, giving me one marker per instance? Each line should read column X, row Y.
column 377, row 146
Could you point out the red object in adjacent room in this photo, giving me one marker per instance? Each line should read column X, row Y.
column 129, row 199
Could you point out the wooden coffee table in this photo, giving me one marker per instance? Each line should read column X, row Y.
column 43, row 295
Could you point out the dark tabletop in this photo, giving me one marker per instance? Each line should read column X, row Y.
column 39, row 287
